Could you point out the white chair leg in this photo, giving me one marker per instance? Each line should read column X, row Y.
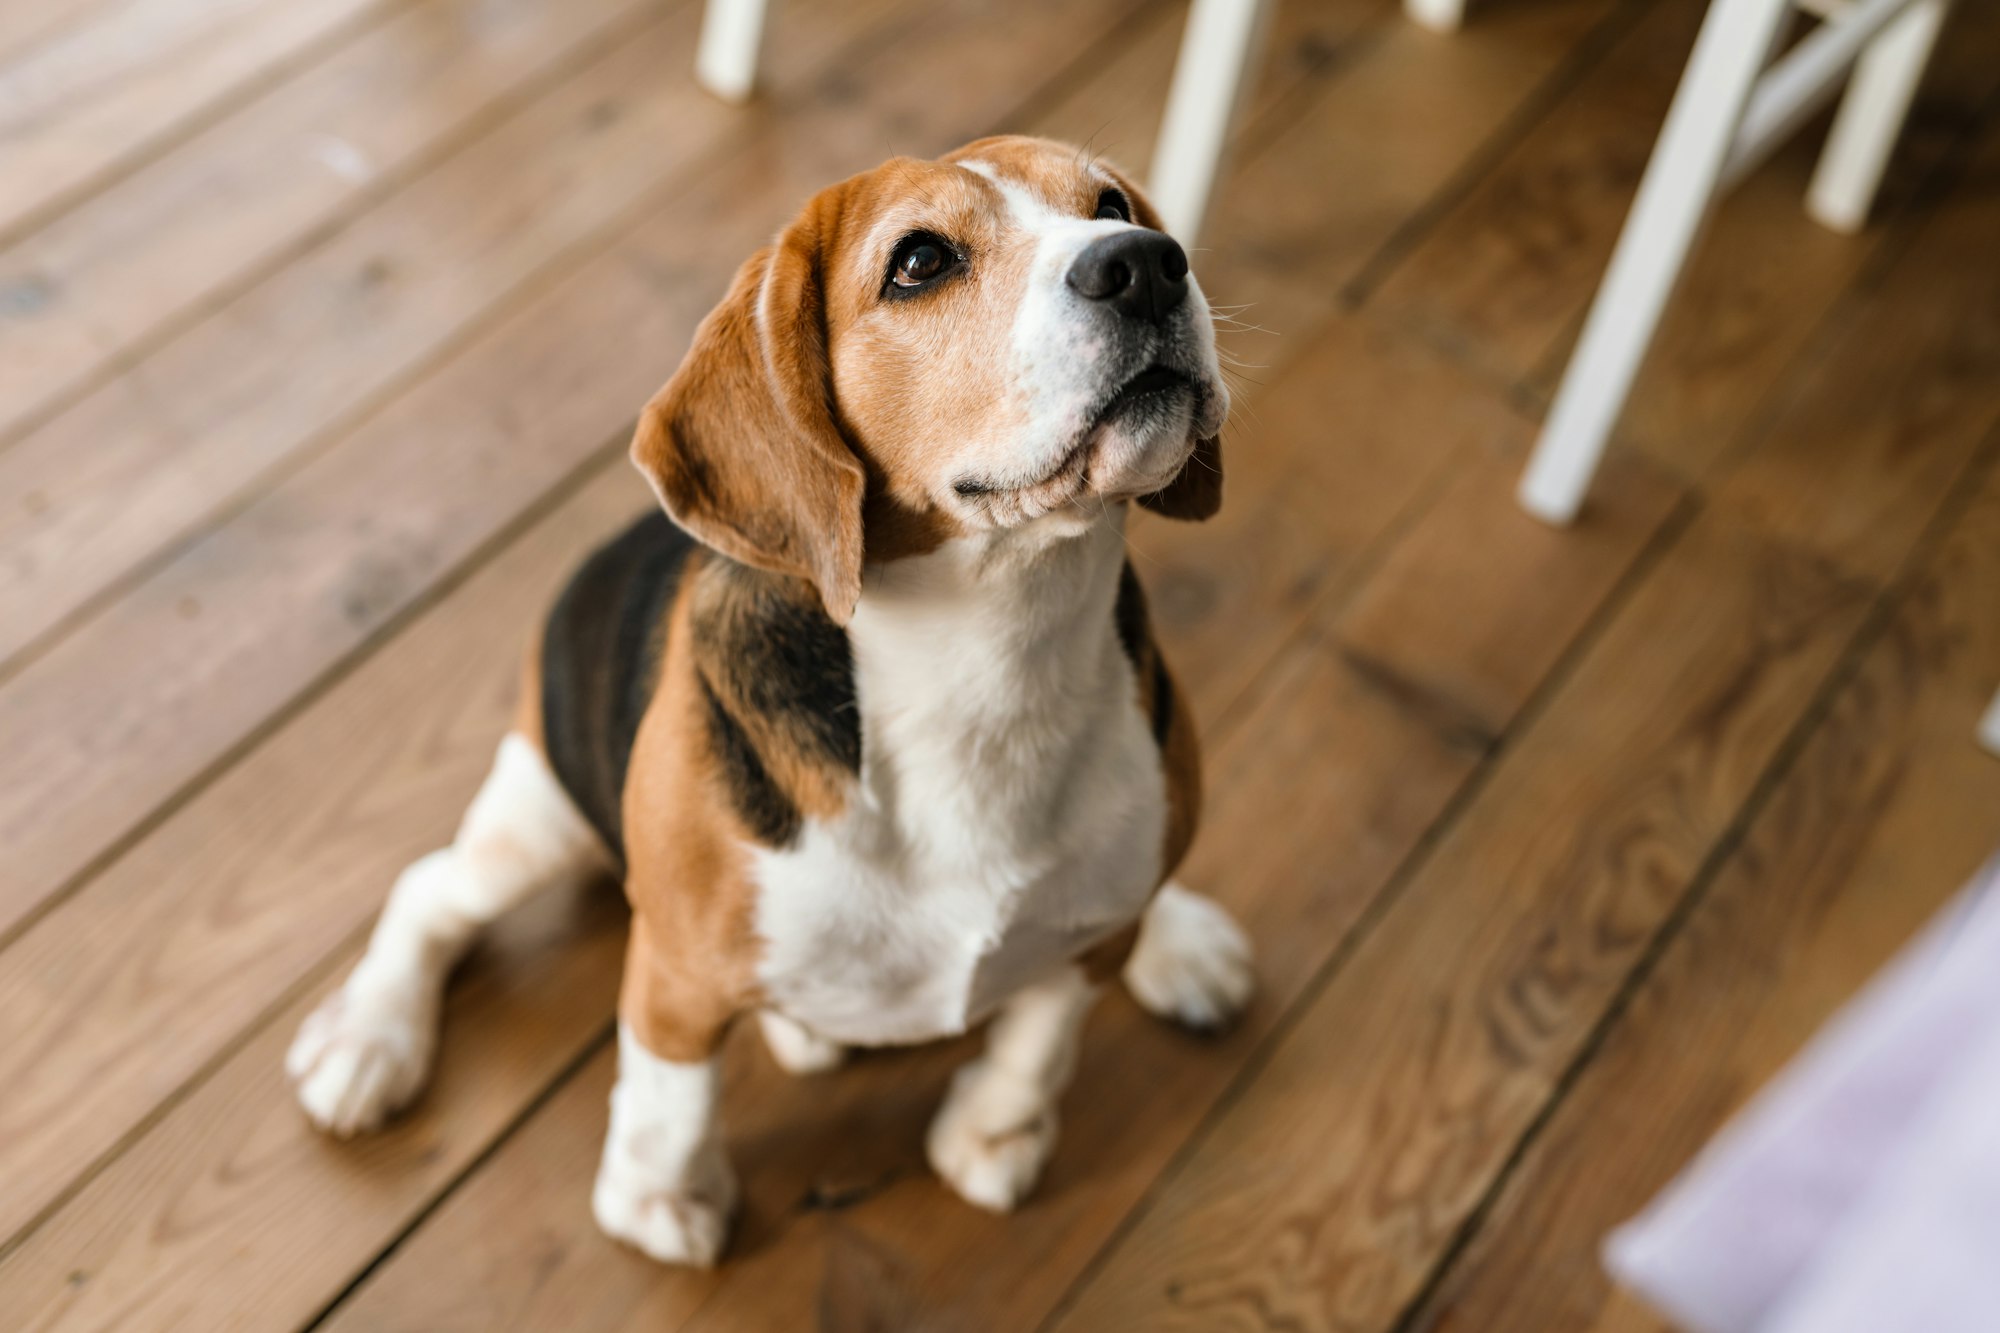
column 1437, row 15
column 725, row 60
column 1989, row 726
column 1222, row 40
column 1871, row 116
column 1674, row 198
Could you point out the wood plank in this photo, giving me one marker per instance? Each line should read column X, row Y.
column 1887, row 811
column 1905, row 390
column 199, row 223
column 147, row 458
column 1311, row 498
column 185, row 665
column 1348, row 768
column 1496, row 962
column 88, row 99
column 231, row 1213
column 1414, row 113
column 1116, row 112
column 113, row 1002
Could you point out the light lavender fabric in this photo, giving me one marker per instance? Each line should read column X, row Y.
column 1860, row 1191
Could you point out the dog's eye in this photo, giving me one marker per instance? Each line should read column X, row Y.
column 919, row 259
column 1113, row 206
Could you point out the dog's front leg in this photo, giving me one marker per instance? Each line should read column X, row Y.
column 997, row 1126
column 664, row 1184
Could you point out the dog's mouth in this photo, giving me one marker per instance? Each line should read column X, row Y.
column 1148, row 391
column 1137, row 394
column 1155, row 392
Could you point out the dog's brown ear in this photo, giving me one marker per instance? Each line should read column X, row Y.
column 741, row 445
column 1195, row 493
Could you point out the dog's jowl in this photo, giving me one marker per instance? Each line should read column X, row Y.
column 871, row 719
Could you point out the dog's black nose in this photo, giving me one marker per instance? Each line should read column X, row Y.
column 1142, row 274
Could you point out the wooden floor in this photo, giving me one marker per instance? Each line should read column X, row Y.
column 322, row 326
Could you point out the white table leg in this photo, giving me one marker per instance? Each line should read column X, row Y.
column 1674, row 198
column 725, row 60
column 1437, row 15
column 1871, row 116
column 1989, row 726
column 1222, row 40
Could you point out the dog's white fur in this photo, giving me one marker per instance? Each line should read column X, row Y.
column 1011, row 804
column 664, row 1185
column 367, row 1050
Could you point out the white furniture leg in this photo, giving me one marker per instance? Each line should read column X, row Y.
column 1221, row 42
column 1674, row 198
column 1989, row 726
column 1871, row 117
column 1437, row 15
column 725, row 60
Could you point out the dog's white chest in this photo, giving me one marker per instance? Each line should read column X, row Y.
column 1011, row 811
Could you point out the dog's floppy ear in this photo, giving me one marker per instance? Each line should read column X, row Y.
column 741, row 445
column 1195, row 493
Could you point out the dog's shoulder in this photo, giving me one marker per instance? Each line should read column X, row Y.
column 758, row 677
column 775, row 677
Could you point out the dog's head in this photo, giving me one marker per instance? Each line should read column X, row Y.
column 932, row 348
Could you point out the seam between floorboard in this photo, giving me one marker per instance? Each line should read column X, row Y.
column 1880, row 616
column 310, row 978
column 336, row 669
column 380, row 190
column 1547, row 94
column 198, row 119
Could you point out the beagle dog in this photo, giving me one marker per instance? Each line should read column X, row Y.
column 870, row 719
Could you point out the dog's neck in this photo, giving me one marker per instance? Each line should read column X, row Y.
column 1018, row 605
column 995, row 651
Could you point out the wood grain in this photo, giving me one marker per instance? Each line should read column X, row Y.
column 184, row 434
column 1899, row 397
column 94, row 95
column 143, row 256
column 1313, row 498
column 233, row 1212
column 130, row 988
column 1411, row 119
column 1883, row 816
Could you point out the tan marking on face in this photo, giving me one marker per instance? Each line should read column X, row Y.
column 971, row 398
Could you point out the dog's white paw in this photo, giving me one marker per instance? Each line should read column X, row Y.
column 685, row 1224
column 1191, row 963
column 797, row 1048
column 361, row 1057
column 991, row 1137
